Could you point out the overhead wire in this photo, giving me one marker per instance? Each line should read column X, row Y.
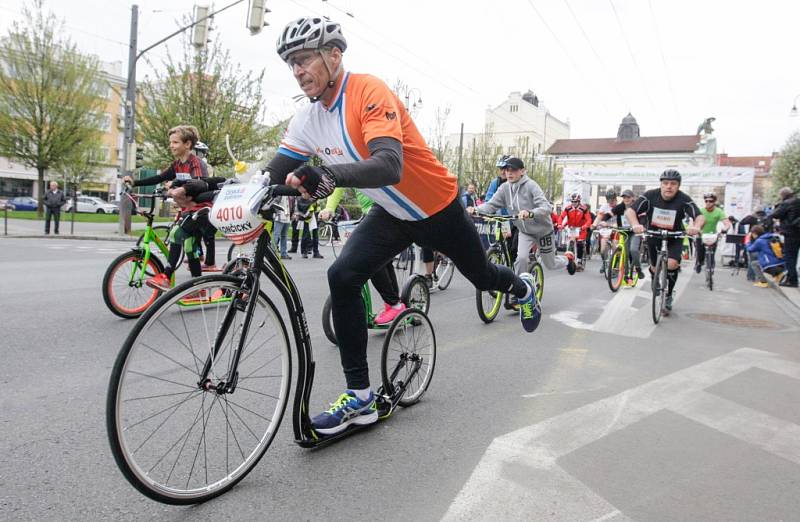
column 609, row 76
column 664, row 61
column 636, row 64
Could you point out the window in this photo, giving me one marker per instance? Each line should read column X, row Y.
column 105, row 122
column 513, row 108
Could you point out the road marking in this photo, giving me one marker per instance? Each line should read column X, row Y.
column 519, row 478
column 619, row 316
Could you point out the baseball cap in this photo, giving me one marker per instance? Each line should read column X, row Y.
column 514, row 163
column 627, row 193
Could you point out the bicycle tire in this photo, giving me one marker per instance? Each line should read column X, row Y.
column 325, row 236
column 538, row 276
column 415, row 294
column 659, row 291
column 162, row 231
column 487, row 311
column 148, row 347
column 616, row 269
column 140, row 296
column 411, row 340
column 444, row 269
column 327, row 322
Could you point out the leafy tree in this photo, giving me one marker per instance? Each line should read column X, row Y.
column 786, row 170
column 81, row 166
column 480, row 157
column 50, row 103
column 205, row 89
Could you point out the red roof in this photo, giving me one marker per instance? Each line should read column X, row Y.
column 761, row 164
column 615, row 146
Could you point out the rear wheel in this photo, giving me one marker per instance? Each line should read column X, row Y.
column 415, row 294
column 444, row 269
column 124, row 290
column 408, row 357
column 616, row 269
column 489, row 301
column 325, row 235
column 327, row 321
column 180, row 439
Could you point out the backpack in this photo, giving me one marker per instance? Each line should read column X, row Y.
column 776, row 246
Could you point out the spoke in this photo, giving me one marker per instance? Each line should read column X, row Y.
column 249, row 410
column 247, row 426
column 177, row 407
column 278, row 376
column 185, row 436
column 155, row 396
column 195, row 372
column 260, row 367
column 176, row 404
column 257, row 392
column 161, row 379
column 235, row 439
column 188, row 348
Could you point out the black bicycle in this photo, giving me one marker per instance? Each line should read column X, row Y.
column 197, row 395
column 710, row 249
column 659, row 283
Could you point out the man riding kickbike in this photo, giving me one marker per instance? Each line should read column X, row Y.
column 522, row 196
column 665, row 209
column 366, row 139
column 576, row 216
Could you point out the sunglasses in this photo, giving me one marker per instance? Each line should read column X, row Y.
column 710, row 200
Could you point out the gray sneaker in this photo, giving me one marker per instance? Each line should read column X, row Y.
column 668, row 304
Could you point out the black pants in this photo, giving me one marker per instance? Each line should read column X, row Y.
column 187, row 236
column 374, row 243
column 295, row 236
column 310, row 240
column 209, row 234
column 54, row 213
column 791, row 244
column 385, row 282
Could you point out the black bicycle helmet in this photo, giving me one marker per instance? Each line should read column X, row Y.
column 710, row 195
column 671, row 174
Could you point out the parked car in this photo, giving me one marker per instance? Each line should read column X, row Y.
column 6, row 205
column 93, row 205
column 24, row 203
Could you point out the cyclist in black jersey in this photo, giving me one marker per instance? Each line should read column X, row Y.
column 665, row 208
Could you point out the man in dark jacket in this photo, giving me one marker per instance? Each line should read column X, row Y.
column 788, row 213
column 53, row 201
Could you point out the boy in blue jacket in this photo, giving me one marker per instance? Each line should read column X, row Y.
column 764, row 258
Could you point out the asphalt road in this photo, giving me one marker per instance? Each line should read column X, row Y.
column 598, row 415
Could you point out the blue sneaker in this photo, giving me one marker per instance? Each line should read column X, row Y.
column 348, row 409
column 530, row 311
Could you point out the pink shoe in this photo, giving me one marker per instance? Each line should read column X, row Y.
column 388, row 314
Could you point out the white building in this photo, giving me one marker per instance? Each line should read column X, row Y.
column 520, row 126
column 632, row 161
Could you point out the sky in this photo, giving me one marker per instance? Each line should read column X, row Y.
column 671, row 63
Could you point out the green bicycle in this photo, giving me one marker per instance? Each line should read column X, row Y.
column 414, row 294
column 489, row 301
column 621, row 271
column 124, row 287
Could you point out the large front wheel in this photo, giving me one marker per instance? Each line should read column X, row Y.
column 616, row 269
column 408, row 357
column 124, row 290
column 659, row 286
column 444, row 268
column 183, row 427
column 489, row 301
column 415, row 294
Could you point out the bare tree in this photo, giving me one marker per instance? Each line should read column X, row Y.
column 50, row 94
column 205, row 89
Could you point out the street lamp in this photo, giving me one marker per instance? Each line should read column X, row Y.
column 411, row 105
column 793, row 112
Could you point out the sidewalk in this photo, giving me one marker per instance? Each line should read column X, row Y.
column 32, row 228
column 791, row 294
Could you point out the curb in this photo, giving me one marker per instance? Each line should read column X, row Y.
column 81, row 238
column 790, row 294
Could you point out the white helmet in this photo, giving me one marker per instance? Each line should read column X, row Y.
column 309, row 33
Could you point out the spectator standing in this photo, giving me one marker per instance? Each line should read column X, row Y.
column 470, row 197
column 54, row 199
column 281, row 221
column 788, row 213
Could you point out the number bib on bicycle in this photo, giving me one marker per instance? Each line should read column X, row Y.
column 235, row 212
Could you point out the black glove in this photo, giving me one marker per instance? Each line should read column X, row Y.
column 319, row 182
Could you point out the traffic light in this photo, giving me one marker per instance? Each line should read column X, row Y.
column 200, row 30
column 139, row 157
column 256, row 15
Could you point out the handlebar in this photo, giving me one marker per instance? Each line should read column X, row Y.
column 665, row 233
column 499, row 218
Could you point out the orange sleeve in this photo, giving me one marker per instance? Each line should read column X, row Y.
column 381, row 116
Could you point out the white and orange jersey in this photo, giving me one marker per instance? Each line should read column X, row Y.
column 364, row 109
